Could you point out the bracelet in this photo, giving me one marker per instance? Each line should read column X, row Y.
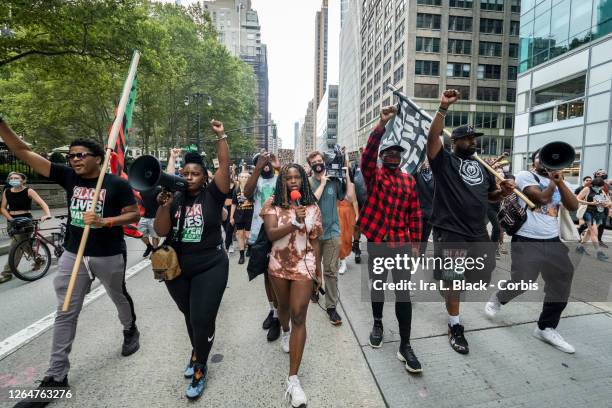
column 441, row 108
column 443, row 114
column 223, row 136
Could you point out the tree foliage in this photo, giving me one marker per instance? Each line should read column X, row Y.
column 63, row 63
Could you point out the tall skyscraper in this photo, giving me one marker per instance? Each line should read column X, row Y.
column 306, row 141
column 425, row 46
column 348, row 90
column 239, row 30
column 327, row 120
column 564, row 87
column 321, row 30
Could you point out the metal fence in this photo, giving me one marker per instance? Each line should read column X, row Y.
column 10, row 163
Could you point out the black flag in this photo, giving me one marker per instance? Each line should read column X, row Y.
column 409, row 129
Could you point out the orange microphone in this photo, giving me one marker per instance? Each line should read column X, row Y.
column 295, row 197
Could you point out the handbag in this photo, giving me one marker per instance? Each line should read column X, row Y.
column 567, row 229
column 581, row 210
column 260, row 253
column 164, row 260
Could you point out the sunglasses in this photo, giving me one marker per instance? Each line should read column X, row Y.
column 80, row 155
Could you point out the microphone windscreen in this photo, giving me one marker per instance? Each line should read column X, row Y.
column 295, row 195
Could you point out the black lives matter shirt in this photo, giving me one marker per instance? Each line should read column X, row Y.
column 461, row 188
column 202, row 226
column 115, row 195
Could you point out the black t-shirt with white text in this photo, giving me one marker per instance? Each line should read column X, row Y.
column 461, row 187
column 202, row 226
column 115, row 195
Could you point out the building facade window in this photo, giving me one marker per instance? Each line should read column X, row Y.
column 515, row 6
column 429, row 21
column 511, row 95
column 460, row 3
column 399, row 31
column 454, row 119
column 430, row 2
column 399, row 53
column 513, row 50
column 460, row 47
column 399, row 10
column 427, row 68
column 512, row 72
column 487, row 94
column 377, row 76
column 485, row 120
column 428, row 44
column 387, row 66
column 491, row 26
column 514, row 28
column 398, row 75
column 426, row 91
column 388, row 25
column 490, row 49
column 492, row 5
column 385, row 83
column 457, row 69
column 460, row 23
column 388, row 46
column 509, row 121
column 487, row 71
column 464, row 91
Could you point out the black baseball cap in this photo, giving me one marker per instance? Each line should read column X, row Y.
column 465, row 131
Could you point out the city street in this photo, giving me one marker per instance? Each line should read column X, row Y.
column 506, row 367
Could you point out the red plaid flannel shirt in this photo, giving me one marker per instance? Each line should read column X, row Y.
column 392, row 211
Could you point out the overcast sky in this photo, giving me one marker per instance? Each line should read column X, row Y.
column 288, row 29
column 289, row 32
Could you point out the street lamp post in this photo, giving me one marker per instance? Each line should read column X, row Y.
column 198, row 97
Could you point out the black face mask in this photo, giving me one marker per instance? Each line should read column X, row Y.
column 318, row 168
column 390, row 165
column 465, row 153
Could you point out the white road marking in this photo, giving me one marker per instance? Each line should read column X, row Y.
column 23, row 337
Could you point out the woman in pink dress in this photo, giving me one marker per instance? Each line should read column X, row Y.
column 295, row 263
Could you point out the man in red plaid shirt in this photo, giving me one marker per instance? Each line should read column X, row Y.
column 391, row 214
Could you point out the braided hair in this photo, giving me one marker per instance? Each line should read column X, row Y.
column 281, row 198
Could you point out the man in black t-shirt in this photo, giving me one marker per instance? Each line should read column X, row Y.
column 104, row 255
column 463, row 188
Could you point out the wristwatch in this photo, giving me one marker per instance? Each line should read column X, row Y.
column 297, row 224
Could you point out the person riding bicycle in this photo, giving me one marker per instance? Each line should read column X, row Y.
column 17, row 203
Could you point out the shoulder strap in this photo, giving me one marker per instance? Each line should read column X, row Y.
column 181, row 221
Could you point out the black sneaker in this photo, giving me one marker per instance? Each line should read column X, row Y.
column 148, row 251
column 334, row 317
column 131, row 341
column 241, row 260
column 376, row 335
column 47, row 383
column 457, row 339
column 357, row 252
column 274, row 331
column 268, row 322
column 406, row 355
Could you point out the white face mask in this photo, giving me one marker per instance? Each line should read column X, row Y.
column 15, row 183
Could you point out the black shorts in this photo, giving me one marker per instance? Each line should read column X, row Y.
column 243, row 219
column 478, row 255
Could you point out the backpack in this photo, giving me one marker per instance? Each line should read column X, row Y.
column 512, row 215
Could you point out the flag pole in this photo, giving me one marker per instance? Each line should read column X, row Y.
column 448, row 134
column 112, row 140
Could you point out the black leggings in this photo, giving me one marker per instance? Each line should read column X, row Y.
column 198, row 292
column 229, row 229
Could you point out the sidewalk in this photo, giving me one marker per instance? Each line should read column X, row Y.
column 5, row 240
column 245, row 370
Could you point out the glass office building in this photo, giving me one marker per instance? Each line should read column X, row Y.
column 550, row 28
column 564, row 86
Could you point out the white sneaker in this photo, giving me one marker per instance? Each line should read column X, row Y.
column 493, row 306
column 295, row 392
column 552, row 337
column 342, row 268
column 285, row 336
column 231, row 249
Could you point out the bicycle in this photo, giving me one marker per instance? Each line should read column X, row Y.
column 30, row 259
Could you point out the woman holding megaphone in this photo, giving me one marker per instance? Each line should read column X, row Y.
column 292, row 221
column 191, row 221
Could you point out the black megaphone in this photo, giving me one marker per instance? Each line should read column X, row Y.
column 557, row 155
column 146, row 173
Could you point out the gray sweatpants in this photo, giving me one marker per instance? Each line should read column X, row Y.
column 111, row 272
